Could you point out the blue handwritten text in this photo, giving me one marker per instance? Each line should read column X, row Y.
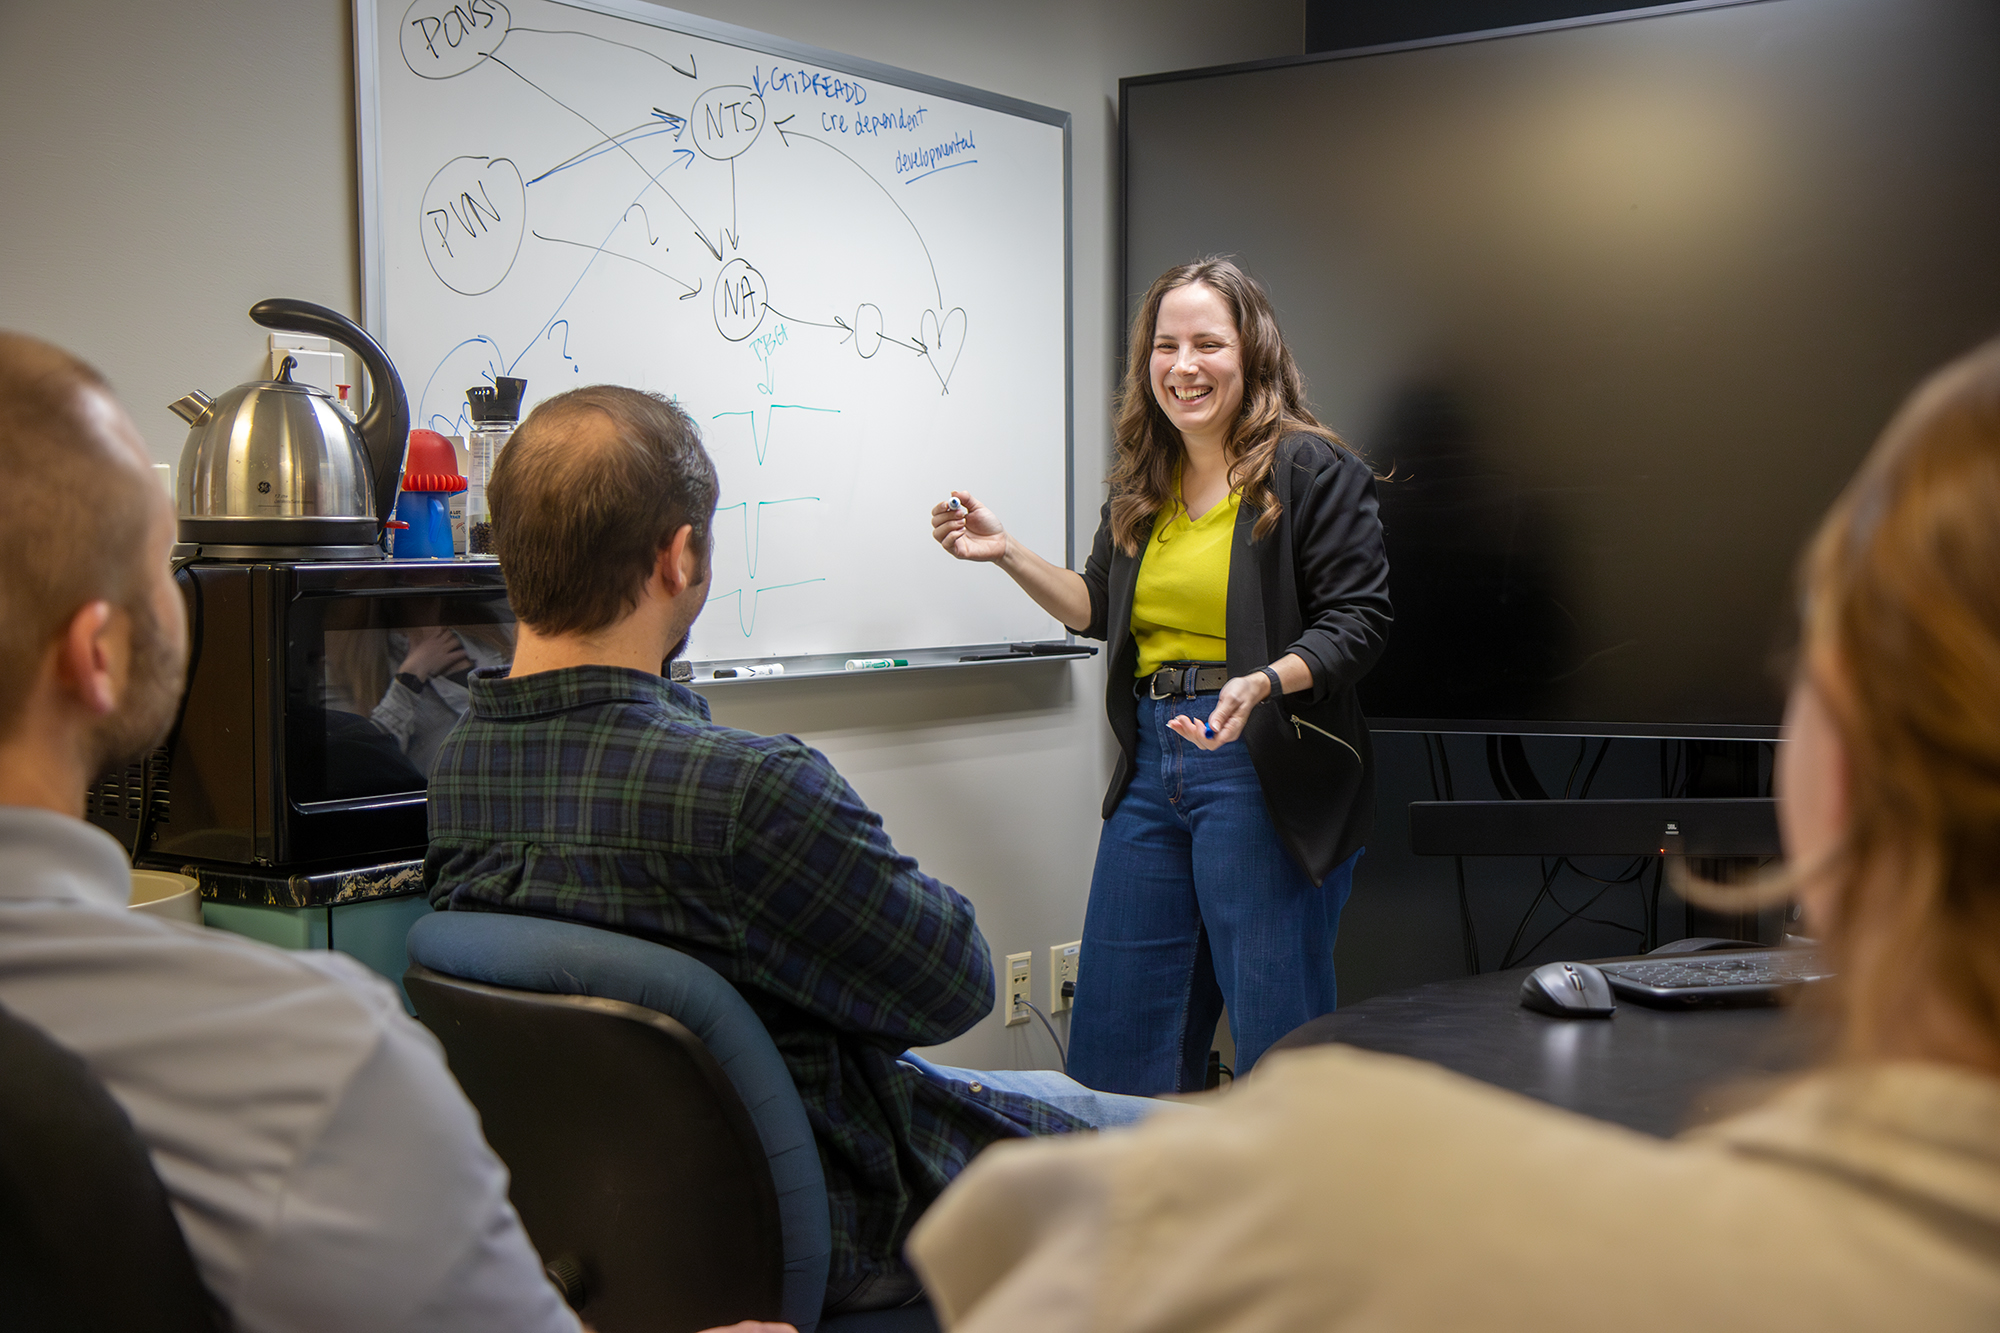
column 932, row 158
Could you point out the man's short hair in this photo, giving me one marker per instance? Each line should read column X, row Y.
column 580, row 514
column 74, row 513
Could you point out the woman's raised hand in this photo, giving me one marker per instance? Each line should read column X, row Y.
column 970, row 532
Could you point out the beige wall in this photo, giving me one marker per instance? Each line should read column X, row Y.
column 164, row 166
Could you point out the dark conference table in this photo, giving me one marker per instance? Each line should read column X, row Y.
column 1655, row 1070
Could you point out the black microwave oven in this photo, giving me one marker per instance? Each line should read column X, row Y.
column 317, row 695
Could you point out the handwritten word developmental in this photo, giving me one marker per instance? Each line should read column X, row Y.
column 929, row 159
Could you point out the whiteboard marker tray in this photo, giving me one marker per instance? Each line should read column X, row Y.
column 915, row 659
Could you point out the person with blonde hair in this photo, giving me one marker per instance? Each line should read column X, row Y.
column 1339, row 1189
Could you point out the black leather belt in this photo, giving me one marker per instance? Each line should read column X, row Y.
column 1185, row 678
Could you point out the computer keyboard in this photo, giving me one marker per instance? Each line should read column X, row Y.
column 1747, row 977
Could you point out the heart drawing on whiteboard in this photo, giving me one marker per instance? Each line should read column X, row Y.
column 943, row 340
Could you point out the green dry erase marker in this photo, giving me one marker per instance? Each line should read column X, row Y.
column 875, row 663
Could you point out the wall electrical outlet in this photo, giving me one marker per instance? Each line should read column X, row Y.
column 1017, row 987
column 1062, row 967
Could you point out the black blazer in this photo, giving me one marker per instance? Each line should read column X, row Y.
column 1318, row 586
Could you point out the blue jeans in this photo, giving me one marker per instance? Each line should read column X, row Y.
column 1195, row 902
column 1099, row 1110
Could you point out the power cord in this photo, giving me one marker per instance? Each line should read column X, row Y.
column 1060, row 1049
column 1467, row 934
column 1570, row 914
column 1633, row 874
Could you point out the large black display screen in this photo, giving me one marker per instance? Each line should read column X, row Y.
column 1618, row 306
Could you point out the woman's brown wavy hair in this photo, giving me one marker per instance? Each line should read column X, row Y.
column 1900, row 639
column 1902, row 633
column 1142, row 479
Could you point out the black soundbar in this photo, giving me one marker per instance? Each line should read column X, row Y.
column 1746, row 826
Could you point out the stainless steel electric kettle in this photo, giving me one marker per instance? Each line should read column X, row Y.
column 272, row 470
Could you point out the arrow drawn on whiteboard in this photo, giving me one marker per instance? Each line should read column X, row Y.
column 582, row 273
column 689, row 72
column 848, row 330
column 613, row 254
column 603, row 146
column 713, row 247
column 788, row 135
column 496, row 364
column 734, row 237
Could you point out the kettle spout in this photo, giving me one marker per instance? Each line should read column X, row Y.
column 193, row 409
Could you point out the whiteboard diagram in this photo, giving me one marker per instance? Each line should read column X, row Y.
column 853, row 279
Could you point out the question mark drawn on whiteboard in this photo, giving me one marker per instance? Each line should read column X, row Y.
column 644, row 217
column 566, row 356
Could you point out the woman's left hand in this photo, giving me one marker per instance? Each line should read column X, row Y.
column 1232, row 709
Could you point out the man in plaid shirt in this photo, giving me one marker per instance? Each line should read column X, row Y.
column 583, row 785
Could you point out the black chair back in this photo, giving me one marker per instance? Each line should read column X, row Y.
column 636, row 1168
column 88, row 1243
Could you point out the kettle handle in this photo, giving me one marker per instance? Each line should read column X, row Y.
column 385, row 427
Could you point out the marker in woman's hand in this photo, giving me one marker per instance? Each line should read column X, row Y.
column 953, row 505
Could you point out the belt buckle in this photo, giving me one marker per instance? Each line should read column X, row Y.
column 1177, row 675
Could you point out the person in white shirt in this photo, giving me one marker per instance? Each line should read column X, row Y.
column 325, row 1169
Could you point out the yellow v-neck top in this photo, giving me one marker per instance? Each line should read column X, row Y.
column 1180, row 604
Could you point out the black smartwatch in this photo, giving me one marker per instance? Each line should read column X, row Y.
column 1277, row 686
column 410, row 681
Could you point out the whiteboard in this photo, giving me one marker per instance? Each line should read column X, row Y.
column 856, row 280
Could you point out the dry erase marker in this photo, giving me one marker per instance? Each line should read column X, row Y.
column 953, row 505
column 875, row 663
column 762, row 669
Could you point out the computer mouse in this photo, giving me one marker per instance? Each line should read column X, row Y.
column 1568, row 990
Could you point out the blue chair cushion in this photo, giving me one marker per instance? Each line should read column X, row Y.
column 564, row 958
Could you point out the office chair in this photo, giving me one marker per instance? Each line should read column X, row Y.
column 661, row 1158
column 88, row 1243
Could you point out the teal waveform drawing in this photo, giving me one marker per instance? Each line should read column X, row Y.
column 753, row 532
column 762, row 439
column 746, row 607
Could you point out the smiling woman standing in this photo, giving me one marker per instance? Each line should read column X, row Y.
column 1239, row 577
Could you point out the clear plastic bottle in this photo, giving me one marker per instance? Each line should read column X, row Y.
column 496, row 409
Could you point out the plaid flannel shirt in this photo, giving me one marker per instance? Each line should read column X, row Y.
column 606, row 796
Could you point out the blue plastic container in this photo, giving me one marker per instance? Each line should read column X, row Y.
column 429, row 533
